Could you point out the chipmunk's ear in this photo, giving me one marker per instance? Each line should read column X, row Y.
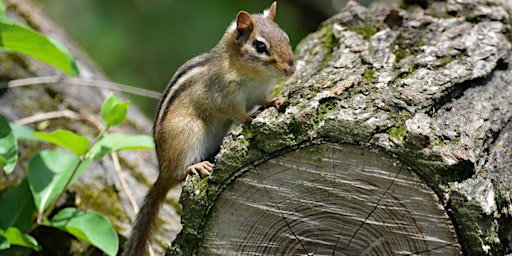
column 244, row 25
column 271, row 12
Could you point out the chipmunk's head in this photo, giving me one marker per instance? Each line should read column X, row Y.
column 261, row 43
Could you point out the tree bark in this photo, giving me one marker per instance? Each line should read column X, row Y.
column 99, row 187
column 394, row 138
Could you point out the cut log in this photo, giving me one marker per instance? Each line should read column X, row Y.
column 428, row 85
column 328, row 199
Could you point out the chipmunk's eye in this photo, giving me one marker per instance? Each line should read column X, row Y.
column 260, row 46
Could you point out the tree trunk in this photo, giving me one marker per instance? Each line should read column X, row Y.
column 394, row 138
column 99, row 187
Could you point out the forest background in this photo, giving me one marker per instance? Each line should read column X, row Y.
column 142, row 42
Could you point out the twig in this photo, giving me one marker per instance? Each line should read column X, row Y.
column 81, row 82
column 59, row 114
column 124, row 185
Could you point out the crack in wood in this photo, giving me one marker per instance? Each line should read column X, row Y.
column 376, row 205
column 283, row 216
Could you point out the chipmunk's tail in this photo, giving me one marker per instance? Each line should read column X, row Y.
column 142, row 232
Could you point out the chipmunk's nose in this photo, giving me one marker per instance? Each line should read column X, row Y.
column 290, row 68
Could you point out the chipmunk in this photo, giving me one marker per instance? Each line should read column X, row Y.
column 203, row 99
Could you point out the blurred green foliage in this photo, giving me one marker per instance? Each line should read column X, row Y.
column 143, row 42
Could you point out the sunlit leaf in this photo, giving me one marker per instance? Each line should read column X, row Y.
column 8, row 147
column 19, row 38
column 114, row 110
column 15, row 237
column 48, row 172
column 2, row 9
column 118, row 142
column 17, row 207
column 89, row 226
column 66, row 139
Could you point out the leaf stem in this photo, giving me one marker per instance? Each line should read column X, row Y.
column 54, row 203
column 98, row 137
column 73, row 173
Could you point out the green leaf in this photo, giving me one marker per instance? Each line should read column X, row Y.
column 15, row 237
column 67, row 139
column 90, row 226
column 17, row 207
column 48, row 172
column 3, row 161
column 19, row 38
column 4, row 243
column 8, row 147
column 23, row 132
column 2, row 9
column 118, row 142
column 114, row 110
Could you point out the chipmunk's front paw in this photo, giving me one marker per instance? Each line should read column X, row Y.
column 204, row 168
column 276, row 103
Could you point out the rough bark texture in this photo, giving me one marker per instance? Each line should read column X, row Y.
column 430, row 86
column 99, row 187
